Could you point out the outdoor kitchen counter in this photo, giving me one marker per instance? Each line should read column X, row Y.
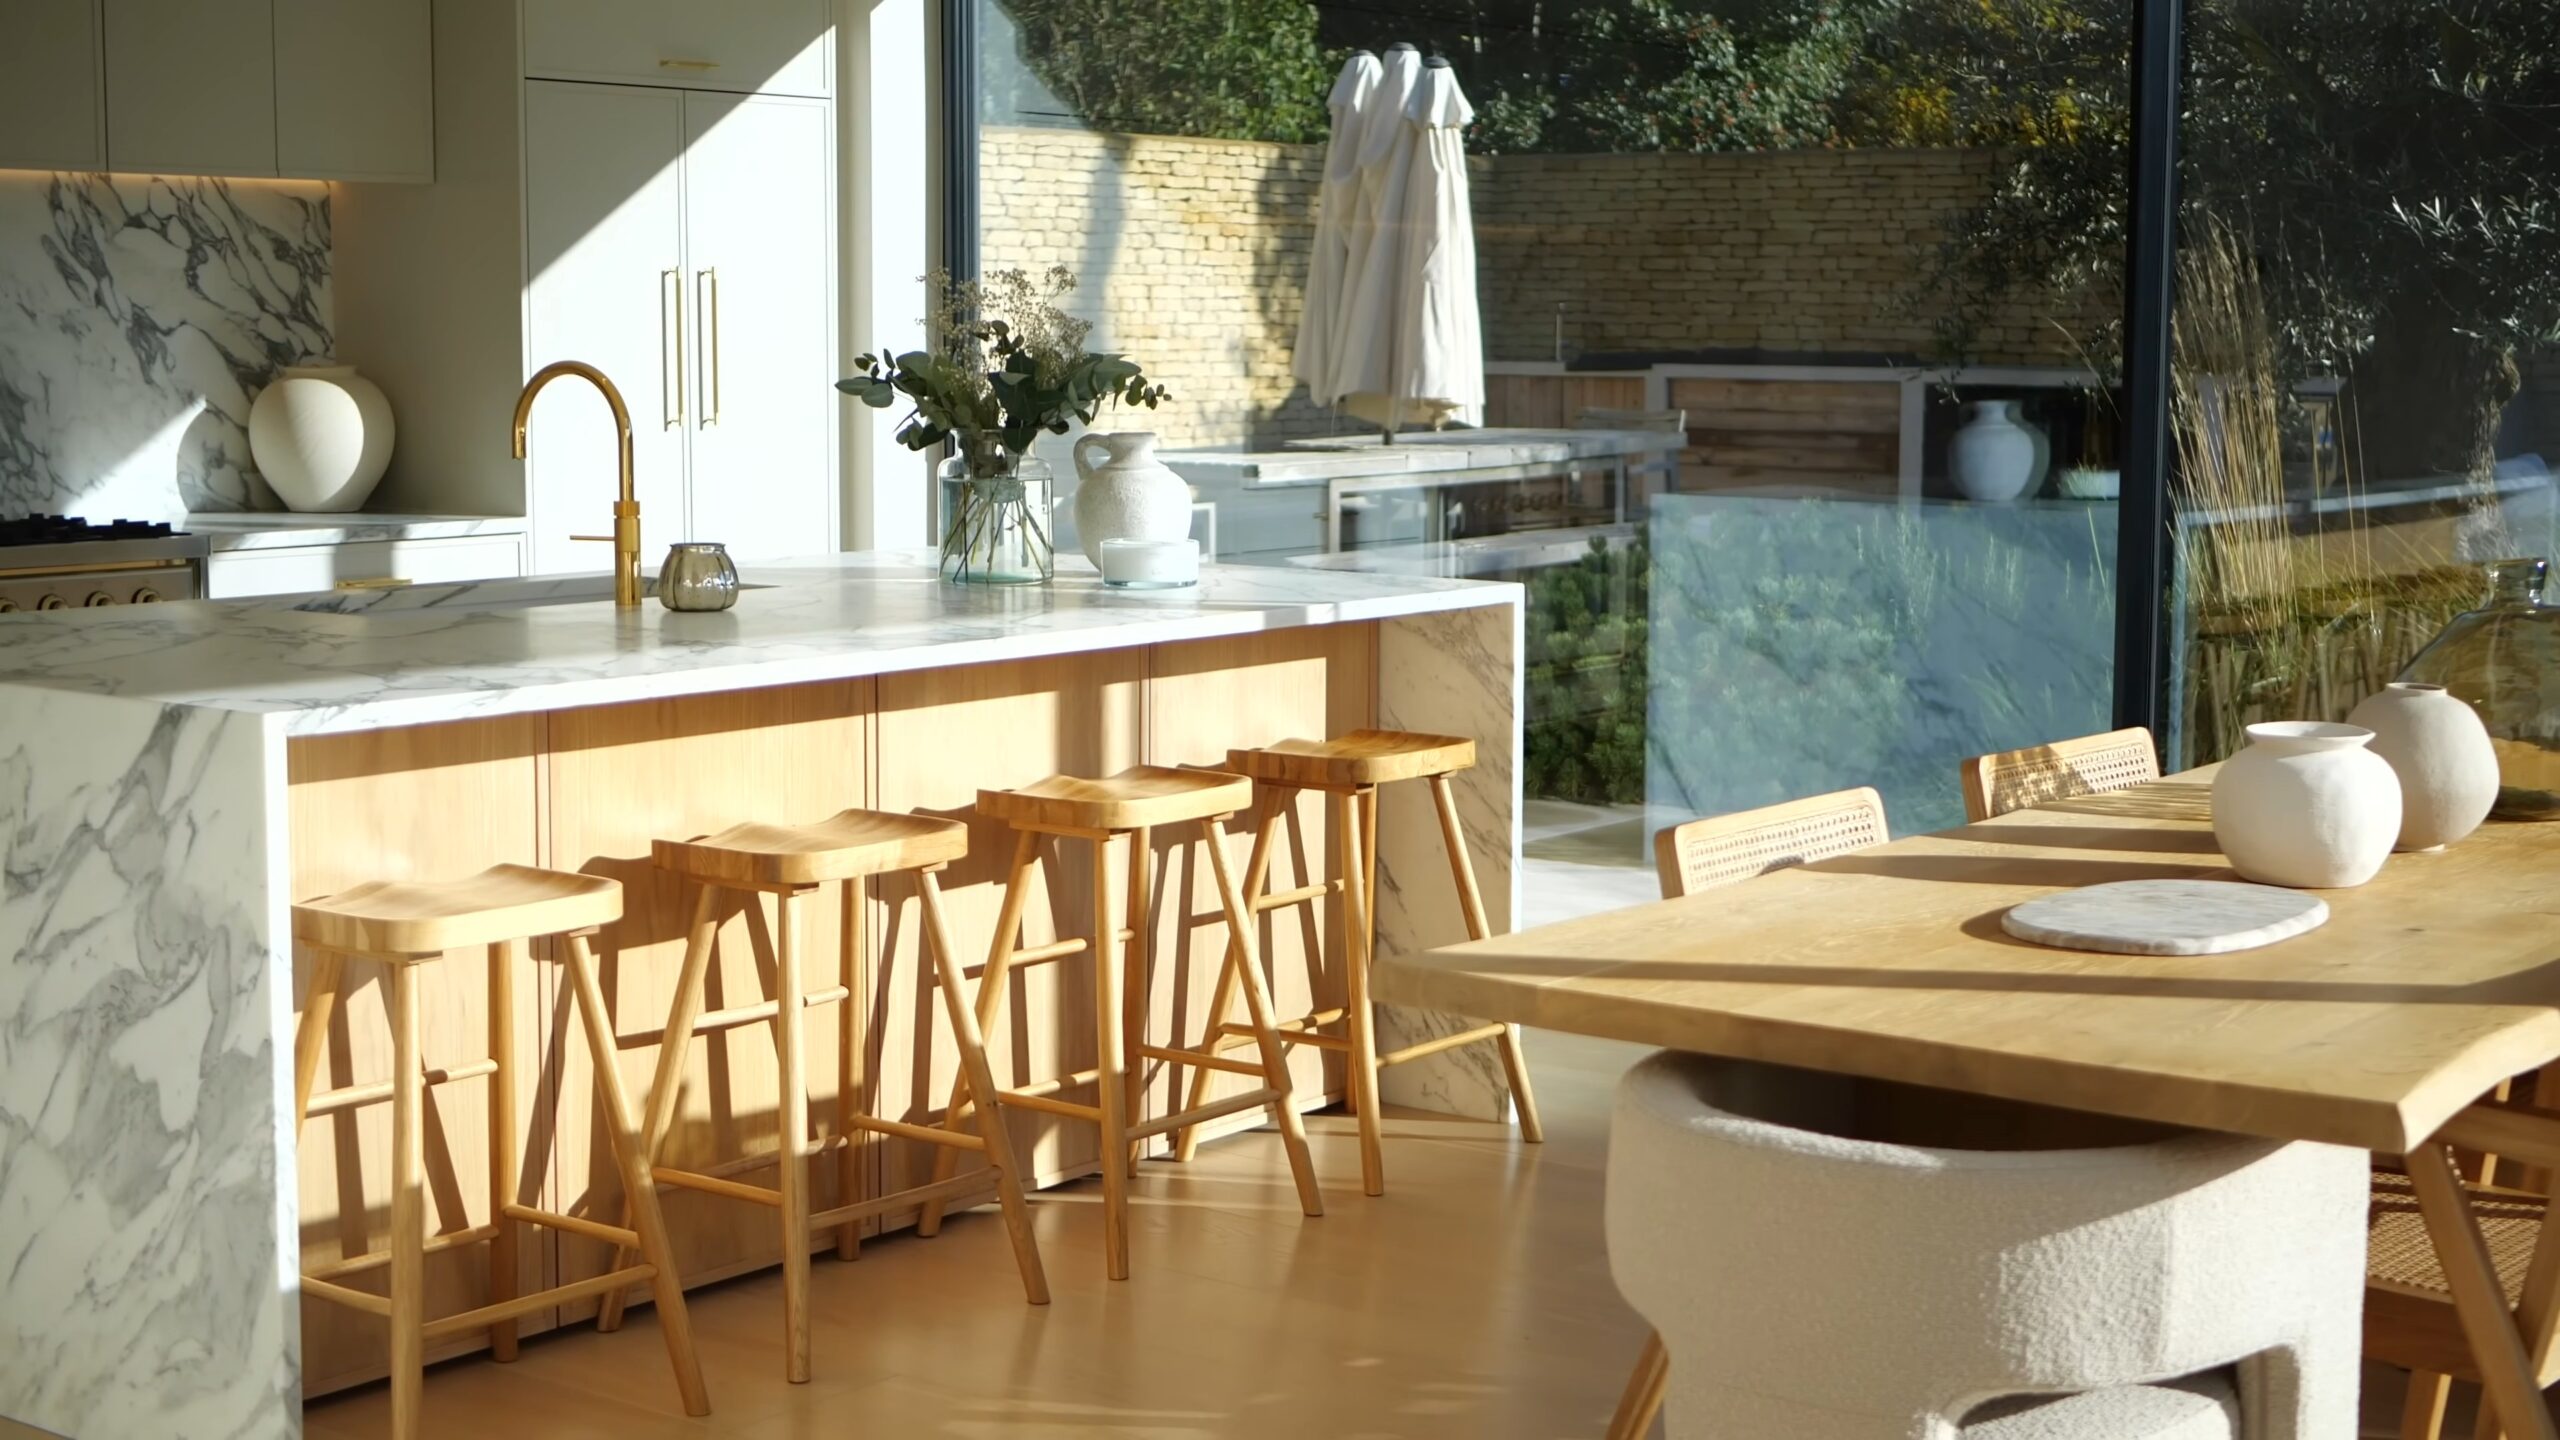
column 175, row 776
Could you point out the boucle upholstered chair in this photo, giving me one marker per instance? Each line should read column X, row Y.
column 1833, row 1259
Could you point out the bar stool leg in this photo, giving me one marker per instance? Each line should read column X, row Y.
column 502, row 1140
column 793, row 1177
column 1257, row 872
column 1275, row 1056
column 1470, row 899
column 1140, row 967
column 1358, row 1018
column 1641, row 1401
column 700, row 940
column 311, row 1035
column 408, row 1203
column 848, row 1041
column 666, row 1285
column 991, row 984
column 973, row 1063
column 1112, row 1087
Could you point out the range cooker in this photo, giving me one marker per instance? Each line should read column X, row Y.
column 54, row 562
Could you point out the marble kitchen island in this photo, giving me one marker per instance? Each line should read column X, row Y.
column 175, row 776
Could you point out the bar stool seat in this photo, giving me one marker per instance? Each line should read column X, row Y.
column 421, row 919
column 1138, row 798
column 758, row 856
column 402, row 926
column 788, row 862
column 1350, row 761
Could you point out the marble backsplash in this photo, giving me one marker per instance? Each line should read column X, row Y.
column 138, row 316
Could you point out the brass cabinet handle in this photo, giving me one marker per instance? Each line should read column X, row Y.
column 387, row 582
column 709, row 280
column 671, row 302
column 688, row 64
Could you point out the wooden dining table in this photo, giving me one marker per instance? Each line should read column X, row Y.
column 2389, row 1028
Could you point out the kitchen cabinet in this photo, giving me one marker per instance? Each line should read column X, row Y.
column 683, row 244
column 354, row 90
column 191, row 86
column 306, row 569
column 51, row 99
column 303, row 89
column 783, row 47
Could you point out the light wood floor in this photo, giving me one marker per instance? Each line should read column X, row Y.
column 1473, row 1300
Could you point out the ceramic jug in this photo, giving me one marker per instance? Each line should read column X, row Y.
column 1129, row 495
column 1997, row 455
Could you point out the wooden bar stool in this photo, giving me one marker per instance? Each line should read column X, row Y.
column 1350, row 769
column 788, row 862
column 1134, row 803
column 401, row 926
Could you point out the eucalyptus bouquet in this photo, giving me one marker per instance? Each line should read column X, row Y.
column 1006, row 363
column 1006, row 366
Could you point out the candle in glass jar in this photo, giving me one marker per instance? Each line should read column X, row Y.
column 1150, row 564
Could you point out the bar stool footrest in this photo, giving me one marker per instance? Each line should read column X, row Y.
column 614, row 1235
column 954, row 1188
column 330, row 1102
column 1215, row 1109
column 353, row 1299
column 927, row 1134
column 522, row 1305
column 1201, row 1058
column 1445, row 1042
column 712, row 1022
column 714, row 1185
column 358, row 1264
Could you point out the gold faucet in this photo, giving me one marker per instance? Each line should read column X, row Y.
column 625, row 538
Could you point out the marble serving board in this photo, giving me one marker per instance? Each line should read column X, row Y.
column 2167, row 917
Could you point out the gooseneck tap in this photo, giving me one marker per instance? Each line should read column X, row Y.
column 625, row 538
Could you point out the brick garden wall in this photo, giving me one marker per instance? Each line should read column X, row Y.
column 1193, row 255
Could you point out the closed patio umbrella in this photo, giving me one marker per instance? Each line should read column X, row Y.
column 1319, row 356
column 1364, row 324
column 1424, row 356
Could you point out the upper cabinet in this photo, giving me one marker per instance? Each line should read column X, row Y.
column 191, row 86
column 355, row 89
column 305, row 89
column 50, row 112
column 775, row 47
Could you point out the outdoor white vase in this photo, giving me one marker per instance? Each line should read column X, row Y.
column 1996, row 456
column 321, row 435
column 2440, row 750
column 1131, row 495
column 2308, row 805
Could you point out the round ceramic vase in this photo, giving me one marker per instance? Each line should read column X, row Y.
column 2307, row 805
column 1997, row 456
column 1129, row 495
column 2440, row 751
column 321, row 435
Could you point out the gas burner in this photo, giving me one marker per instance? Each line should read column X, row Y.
column 64, row 530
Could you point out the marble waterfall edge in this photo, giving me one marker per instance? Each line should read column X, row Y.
column 145, row 1186
column 1455, row 672
column 138, row 316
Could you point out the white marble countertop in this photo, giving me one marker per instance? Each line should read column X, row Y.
column 280, row 529
column 1431, row 452
column 363, row 660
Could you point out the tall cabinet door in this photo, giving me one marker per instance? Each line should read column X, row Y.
column 759, row 231
column 604, row 235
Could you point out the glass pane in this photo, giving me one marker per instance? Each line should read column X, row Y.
column 2366, row 384
column 1798, row 333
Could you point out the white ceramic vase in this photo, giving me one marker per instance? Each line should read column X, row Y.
column 2307, row 805
column 2440, row 750
column 321, row 435
column 1130, row 495
column 1996, row 456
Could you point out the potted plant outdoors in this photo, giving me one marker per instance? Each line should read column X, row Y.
column 1007, row 365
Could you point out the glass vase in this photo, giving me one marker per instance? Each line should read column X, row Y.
column 995, row 514
column 2504, row 660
